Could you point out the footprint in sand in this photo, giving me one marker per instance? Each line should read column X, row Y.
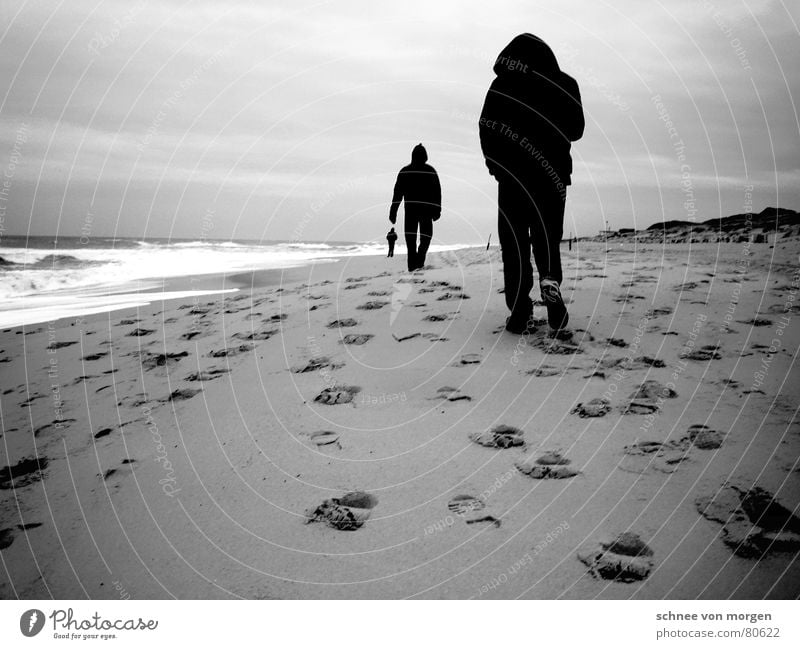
column 379, row 293
column 625, row 558
column 647, row 398
column 638, row 363
column 151, row 361
column 549, row 466
column 753, row 522
column 264, row 334
column 337, row 394
column 463, row 504
column 207, row 375
column 546, row 371
column 372, row 305
column 657, row 311
column 640, row 407
column 133, row 400
column 451, row 394
column 123, row 468
column 627, row 299
column 191, row 335
column 469, row 359
column 595, row 408
column 653, row 390
column 325, row 438
column 704, row 353
column 616, row 342
column 230, row 351
column 350, row 287
column 181, row 395
column 705, row 438
column 25, row 472
column 94, row 357
column 756, row 322
column 61, row 343
column 7, row 535
column 453, row 296
column 436, row 317
column 344, row 322
column 644, row 457
column 500, row 436
column 141, row 331
column 346, row 513
column 557, row 343
column 103, row 432
column 315, row 364
column 427, row 336
column 356, row 339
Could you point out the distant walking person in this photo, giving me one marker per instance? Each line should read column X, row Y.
column 418, row 185
column 531, row 115
column 391, row 237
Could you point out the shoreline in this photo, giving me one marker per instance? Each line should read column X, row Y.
column 179, row 288
column 146, row 290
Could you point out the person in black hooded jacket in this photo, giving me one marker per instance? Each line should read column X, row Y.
column 418, row 185
column 531, row 114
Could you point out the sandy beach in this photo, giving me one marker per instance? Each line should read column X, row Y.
column 334, row 435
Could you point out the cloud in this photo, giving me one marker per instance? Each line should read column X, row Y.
column 274, row 108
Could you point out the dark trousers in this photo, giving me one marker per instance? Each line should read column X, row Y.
column 531, row 216
column 416, row 255
column 391, row 249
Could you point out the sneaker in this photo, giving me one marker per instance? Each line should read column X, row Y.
column 557, row 316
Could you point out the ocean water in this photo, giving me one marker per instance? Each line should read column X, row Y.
column 43, row 279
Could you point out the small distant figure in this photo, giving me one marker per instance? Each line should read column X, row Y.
column 391, row 237
column 418, row 185
column 531, row 115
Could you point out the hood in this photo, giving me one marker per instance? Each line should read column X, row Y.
column 419, row 155
column 526, row 54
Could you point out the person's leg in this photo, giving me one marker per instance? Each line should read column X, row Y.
column 547, row 227
column 411, row 225
column 514, row 234
column 425, row 236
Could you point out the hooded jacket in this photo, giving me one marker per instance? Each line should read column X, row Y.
column 418, row 185
column 531, row 114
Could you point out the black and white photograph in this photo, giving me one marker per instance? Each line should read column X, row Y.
column 379, row 301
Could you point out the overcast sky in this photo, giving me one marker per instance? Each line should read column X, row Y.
column 289, row 120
